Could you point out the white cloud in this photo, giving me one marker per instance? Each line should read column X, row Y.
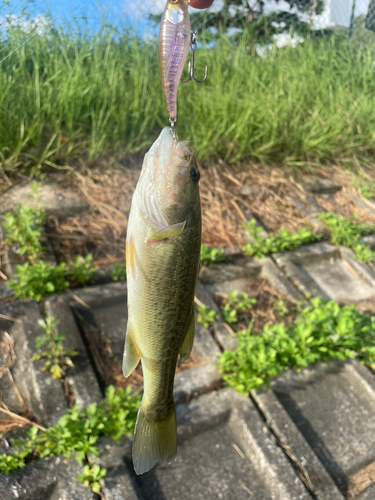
column 38, row 24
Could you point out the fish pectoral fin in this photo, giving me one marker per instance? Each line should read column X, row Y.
column 168, row 232
column 187, row 344
column 131, row 355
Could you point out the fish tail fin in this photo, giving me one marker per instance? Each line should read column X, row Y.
column 154, row 440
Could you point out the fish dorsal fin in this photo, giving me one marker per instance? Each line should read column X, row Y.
column 168, row 232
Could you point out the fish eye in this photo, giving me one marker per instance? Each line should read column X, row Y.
column 194, row 174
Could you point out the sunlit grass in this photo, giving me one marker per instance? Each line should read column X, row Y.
column 68, row 95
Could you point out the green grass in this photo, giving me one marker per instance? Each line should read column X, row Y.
column 70, row 95
column 321, row 332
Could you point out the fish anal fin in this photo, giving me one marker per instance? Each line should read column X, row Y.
column 131, row 355
column 168, row 232
column 187, row 344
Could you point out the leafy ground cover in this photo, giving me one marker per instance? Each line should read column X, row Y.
column 76, row 434
column 321, row 332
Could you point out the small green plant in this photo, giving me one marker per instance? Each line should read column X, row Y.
column 80, row 269
column 282, row 241
column 348, row 233
column 321, row 332
column 36, row 281
column 91, row 476
column 119, row 272
column 24, row 228
column 281, row 308
column 235, row 303
column 212, row 255
column 206, row 316
column 77, row 432
column 58, row 359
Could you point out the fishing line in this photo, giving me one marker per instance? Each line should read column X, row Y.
column 22, row 44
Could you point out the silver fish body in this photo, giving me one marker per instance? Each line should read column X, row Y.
column 174, row 42
column 162, row 258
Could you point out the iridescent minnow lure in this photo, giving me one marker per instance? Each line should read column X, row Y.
column 174, row 42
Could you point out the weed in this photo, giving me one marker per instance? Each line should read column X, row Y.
column 281, row 308
column 348, row 233
column 91, row 476
column 212, row 255
column 206, row 316
column 282, row 241
column 80, row 269
column 24, row 228
column 235, row 303
column 78, row 431
column 36, row 281
column 74, row 94
column 58, row 359
column 321, row 332
column 119, row 272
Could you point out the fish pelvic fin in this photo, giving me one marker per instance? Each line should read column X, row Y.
column 131, row 355
column 154, row 440
column 168, row 232
column 187, row 344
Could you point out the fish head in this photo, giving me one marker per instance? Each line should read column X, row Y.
column 169, row 180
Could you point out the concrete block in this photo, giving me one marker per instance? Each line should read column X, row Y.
column 329, row 272
column 41, row 392
column 333, row 407
column 82, row 379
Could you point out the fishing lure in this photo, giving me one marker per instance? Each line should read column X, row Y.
column 175, row 38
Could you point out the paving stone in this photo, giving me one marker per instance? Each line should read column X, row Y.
column 333, row 406
column 40, row 391
column 108, row 313
column 224, row 278
column 82, row 380
column 272, row 273
column 225, row 336
column 224, row 447
column 116, row 458
column 197, row 380
column 58, row 200
column 367, row 205
column 329, row 272
column 47, row 479
column 288, row 434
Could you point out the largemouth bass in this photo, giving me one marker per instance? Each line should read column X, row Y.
column 174, row 42
column 162, row 262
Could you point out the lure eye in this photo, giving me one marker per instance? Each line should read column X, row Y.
column 174, row 1
column 194, row 174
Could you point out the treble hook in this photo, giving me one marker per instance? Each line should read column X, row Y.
column 193, row 46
